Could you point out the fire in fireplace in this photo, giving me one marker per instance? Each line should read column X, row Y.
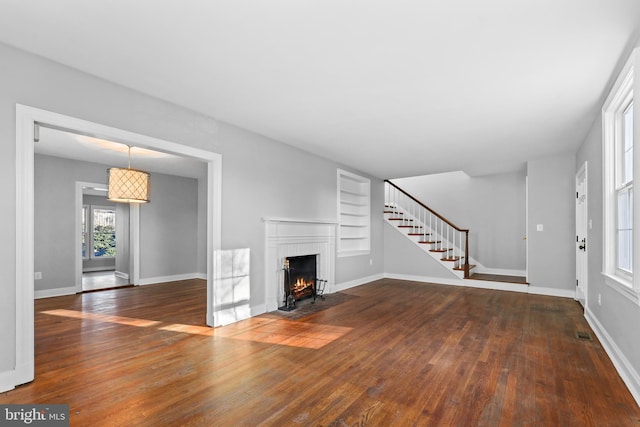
column 300, row 280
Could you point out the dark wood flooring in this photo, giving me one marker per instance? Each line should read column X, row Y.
column 521, row 280
column 395, row 353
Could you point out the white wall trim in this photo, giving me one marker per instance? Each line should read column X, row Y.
column 26, row 118
column 357, row 282
column 500, row 271
column 78, row 232
column 484, row 284
column 56, row 292
column 123, row 275
column 164, row 279
column 94, row 269
column 8, row 380
column 625, row 369
column 552, row 292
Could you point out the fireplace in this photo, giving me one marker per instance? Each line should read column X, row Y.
column 300, row 276
column 287, row 238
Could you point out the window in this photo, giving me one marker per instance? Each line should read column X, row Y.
column 354, row 214
column 104, row 232
column 624, row 192
column 619, row 158
column 101, row 221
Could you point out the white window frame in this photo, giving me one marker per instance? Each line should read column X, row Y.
column 620, row 96
column 86, row 214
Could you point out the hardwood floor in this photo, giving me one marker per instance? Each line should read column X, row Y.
column 395, row 353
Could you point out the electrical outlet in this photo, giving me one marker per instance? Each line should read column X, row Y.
column 539, row 227
column 37, row 275
column 599, row 299
column 370, row 261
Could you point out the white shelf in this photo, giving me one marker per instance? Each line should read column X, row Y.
column 354, row 214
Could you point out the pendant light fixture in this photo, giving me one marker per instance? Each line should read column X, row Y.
column 128, row 185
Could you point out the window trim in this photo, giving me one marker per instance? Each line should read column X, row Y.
column 620, row 96
column 85, row 216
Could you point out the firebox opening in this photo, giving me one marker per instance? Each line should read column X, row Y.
column 300, row 281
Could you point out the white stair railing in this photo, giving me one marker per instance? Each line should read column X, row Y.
column 432, row 228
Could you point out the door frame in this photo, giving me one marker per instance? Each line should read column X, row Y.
column 26, row 120
column 582, row 229
column 133, row 237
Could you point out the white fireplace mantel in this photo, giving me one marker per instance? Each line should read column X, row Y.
column 287, row 237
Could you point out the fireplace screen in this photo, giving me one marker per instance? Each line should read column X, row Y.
column 300, row 278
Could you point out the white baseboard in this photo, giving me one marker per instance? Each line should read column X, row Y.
column 626, row 371
column 8, row 380
column 57, row 292
column 357, row 282
column 553, row 292
column 94, row 269
column 202, row 276
column 121, row 275
column 484, row 284
column 164, row 279
column 259, row 309
column 500, row 271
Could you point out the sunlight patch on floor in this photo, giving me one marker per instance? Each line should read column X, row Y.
column 283, row 332
column 257, row 329
column 129, row 321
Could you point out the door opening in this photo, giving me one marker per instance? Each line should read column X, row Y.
column 582, row 244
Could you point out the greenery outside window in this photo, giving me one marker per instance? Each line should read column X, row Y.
column 98, row 232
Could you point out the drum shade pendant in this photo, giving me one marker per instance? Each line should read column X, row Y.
column 128, row 185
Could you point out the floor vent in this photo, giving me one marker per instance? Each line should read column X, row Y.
column 583, row 335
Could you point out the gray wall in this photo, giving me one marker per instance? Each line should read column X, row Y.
column 617, row 315
column 403, row 258
column 261, row 177
column 169, row 227
column 552, row 259
column 168, row 224
column 54, row 222
column 492, row 207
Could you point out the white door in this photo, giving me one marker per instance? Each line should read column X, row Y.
column 581, row 235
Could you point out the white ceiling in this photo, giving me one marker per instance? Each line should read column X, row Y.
column 393, row 88
column 58, row 143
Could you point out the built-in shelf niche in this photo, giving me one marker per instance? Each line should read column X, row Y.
column 354, row 214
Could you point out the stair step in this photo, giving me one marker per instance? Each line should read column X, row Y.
column 430, row 242
column 399, row 219
column 440, row 250
column 418, row 234
column 409, row 226
column 391, row 212
column 461, row 268
column 451, row 258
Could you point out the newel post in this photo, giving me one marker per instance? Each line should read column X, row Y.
column 466, row 254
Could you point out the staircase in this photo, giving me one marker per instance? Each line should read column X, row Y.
column 445, row 242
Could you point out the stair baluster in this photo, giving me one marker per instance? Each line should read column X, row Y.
column 443, row 237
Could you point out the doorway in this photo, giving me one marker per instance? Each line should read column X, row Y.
column 104, row 239
column 27, row 120
column 582, row 216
